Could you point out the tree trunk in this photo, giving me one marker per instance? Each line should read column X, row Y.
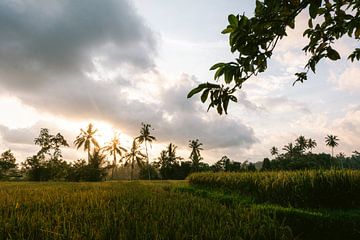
column 147, row 157
column 114, row 165
column 88, row 155
column 132, row 168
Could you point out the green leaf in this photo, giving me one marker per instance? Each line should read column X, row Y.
column 219, row 108
column 225, row 104
column 196, row 90
column 217, row 65
column 204, row 95
column 333, row 54
column 310, row 24
column 314, row 6
column 233, row 20
column 357, row 32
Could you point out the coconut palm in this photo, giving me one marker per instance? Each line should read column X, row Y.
column 134, row 156
column 195, row 156
column 311, row 143
column 145, row 137
column 331, row 141
column 168, row 156
column 114, row 148
column 274, row 151
column 86, row 139
column 290, row 149
column 301, row 142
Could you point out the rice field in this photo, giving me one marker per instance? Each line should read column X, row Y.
column 126, row 210
column 208, row 206
column 306, row 189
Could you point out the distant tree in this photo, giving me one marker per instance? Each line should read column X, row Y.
column 195, row 156
column 114, row 148
column 50, row 144
column 146, row 137
column 301, row 143
column 144, row 172
column 254, row 39
column 290, row 150
column 274, row 151
column 332, row 141
column 168, row 162
column 47, row 164
column 266, row 164
column 86, row 139
column 133, row 157
column 311, row 143
column 7, row 163
column 95, row 171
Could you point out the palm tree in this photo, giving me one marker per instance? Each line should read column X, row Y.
column 195, row 156
column 171, row 153
column 331, row 141
column 311, row 143
column 114, row 148
column 134, row 156
column 87, row 138
column 145, row 137
column 289, row 149
column 274, row 151
column 301, row 142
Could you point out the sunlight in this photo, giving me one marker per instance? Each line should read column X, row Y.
column 106, row 132
column 17, row 114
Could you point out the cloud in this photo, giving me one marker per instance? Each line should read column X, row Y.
column 348, row 80
column 89, row 60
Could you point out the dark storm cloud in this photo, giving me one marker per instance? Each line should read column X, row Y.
column 47, row 47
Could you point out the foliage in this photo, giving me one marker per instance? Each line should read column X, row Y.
column 255, row 38
column 47, row 164
column 86, row 139
column 168, row 163
column 308, row 189
column 134, row 157
column 145, row 170
column 7, row 164
column 114, row 148
column 332, row 141
column 125, row 210
column 195, row 155
column 146, row 137
column 50, row 144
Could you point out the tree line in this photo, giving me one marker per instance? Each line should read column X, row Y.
column 48, row 163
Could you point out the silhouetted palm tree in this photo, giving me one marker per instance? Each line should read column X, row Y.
column 168, row 156
column 195, row 156
column 301, row 143
column 146, row 137
column 87, row 138
column 331, row 141
column 114, row 148
column 274, row 151
column 311, row 143
column 134, row 156
column 290, row 149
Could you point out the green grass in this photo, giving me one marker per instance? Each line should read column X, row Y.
column 126, row 210
column 305, row 189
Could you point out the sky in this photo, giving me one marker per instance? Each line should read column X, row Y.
column 118, row 63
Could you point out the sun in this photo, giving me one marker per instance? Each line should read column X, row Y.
column 105, row 132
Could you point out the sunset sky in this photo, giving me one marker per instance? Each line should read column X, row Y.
column 118, row 63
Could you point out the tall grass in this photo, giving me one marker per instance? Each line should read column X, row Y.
column 308, row 189
column 123, row 210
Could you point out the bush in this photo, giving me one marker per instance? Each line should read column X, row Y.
column 308, row 189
